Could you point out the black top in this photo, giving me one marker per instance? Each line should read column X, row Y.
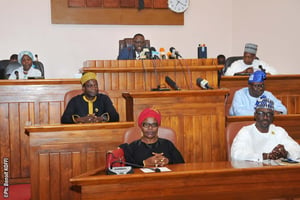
column 137, row 151
column 78, row 106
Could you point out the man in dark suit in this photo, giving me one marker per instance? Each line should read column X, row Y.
column 133, row 52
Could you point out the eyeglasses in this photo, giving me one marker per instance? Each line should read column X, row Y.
column 263, row 114
column 258, row 85
column 91, row 85
column 147, row 125
column 139, row 42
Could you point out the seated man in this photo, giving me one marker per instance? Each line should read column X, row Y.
column 249, row 64
column 90, row 106
column 132, row 53
column 263, row 140
column 244, row 100
column 150, row 150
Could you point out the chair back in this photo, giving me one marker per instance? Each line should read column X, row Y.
column 128, row 42
column 231, row 131
column 39, row 65
column 135, row 133
column 3, row 65
column 230, row 60
column 72, row 93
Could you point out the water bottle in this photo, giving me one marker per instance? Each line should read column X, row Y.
column 202, row 51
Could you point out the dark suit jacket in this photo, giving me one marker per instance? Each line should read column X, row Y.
column 127, row 53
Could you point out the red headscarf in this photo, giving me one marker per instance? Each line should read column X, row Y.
column 149, row 112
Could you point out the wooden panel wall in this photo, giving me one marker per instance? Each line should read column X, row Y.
column 23, row 103
column 143, row 75
column 113, row 12
column 284, row 87
column 59, row 152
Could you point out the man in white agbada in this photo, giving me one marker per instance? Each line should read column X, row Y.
column 263, row 140
column 249, row 63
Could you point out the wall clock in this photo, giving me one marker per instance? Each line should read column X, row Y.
column 178, row 6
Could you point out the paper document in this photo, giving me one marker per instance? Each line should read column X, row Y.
column 151, row 170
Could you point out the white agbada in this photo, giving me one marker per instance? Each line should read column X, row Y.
column 239, row 66
column 250, row 143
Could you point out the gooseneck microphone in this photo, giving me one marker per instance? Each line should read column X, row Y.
column 154, row 53
column 203, row 84
column 171, row 83
column 175, row 53
column 17, row 75
column 261, row 68
column 145, row 53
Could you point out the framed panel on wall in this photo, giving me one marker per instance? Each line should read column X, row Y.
column 121, row 12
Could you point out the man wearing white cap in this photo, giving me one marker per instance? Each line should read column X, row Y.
column 91, row 106
column 249, row 63
column 244, row 99
column 263, row 140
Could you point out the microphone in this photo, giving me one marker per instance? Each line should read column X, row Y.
column 171, row 54
column 17, row 75
column 203, row 84
column 140, row 166
column 171, row 83
column 162, row 53
column 145, row 53
column 175, row 53
column 36, row 57
column 261, row 68
column 154, row 53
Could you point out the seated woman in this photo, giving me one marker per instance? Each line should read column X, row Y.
column 25, row 58
column 151, row 150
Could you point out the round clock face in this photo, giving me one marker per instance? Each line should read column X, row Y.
column 178, row 6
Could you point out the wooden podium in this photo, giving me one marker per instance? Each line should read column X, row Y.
column 197, row 116
column 59, row 152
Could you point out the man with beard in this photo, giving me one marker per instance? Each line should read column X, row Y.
column 91, row 106
column 150, row 150
column 244, row 100
column 263, row 140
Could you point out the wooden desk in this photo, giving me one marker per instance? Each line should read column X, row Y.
column 212, row 180
column 59, row 152
column 284, row 87
column 197, row 116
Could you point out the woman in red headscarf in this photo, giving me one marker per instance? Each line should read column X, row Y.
column 150, row 150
